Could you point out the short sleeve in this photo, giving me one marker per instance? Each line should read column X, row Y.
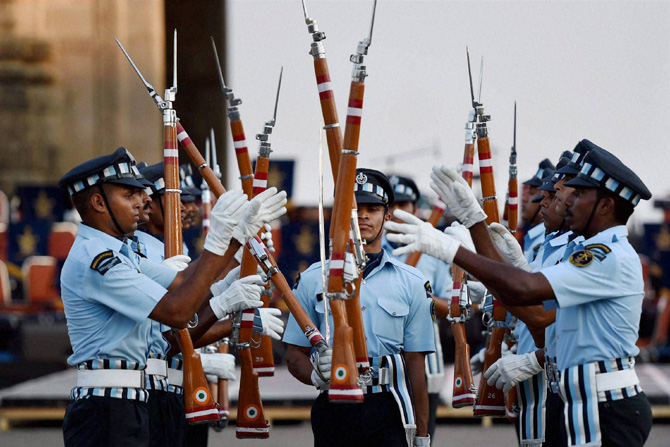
column 419, row 335
column 584, row 278
column 158, row 272
column 293, row 334
column 125, row 290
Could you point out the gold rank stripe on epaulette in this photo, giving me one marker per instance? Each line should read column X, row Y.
column 600, row 251
column 104, row 261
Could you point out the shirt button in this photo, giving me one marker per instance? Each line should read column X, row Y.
column 394, row 314
column 363, row 281
column 363, row 308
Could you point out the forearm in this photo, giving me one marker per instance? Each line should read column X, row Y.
column 297, row 360
column 484, row 244
column 415, row 362
column 513, row 286
column 177, row 306
column 220, row 329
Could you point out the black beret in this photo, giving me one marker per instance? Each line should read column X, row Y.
column 155, row 174
column 604, row 170
column 579, row 152
column 119, row 168
column 373, row 187
column 405, row 189
column 545, row 168
column 549, row 182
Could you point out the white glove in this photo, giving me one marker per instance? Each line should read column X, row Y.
column 477, row 362
column 244, row 293
column 508, row 246
column 420, row 441
column 221, row 286
column 512, row 369
column 462, row 234
column 264, row 208
column 227, row 212
column 220, row 365
column 420, row 236
column 266, row 237
column 273, row 327
column 178, row 262
column 477, row 291
column 455, row 192
column 322, row 367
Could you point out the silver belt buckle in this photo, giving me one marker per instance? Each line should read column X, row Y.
column 552, row 377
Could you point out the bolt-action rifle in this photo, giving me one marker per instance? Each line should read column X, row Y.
column 251, row 421
column 343, row 272
column 261, row 355
column 511, row 221
column 199, row 404
column 490, row 400
column 334, row 140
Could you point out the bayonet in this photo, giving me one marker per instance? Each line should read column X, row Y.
column 215, row 161
column 481, row 75
column 359, row 73
column 269, row 125
column 512, row 157
column 150, row 88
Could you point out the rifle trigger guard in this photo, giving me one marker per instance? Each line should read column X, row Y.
column 487, row 319
column 349, row 289
column 193, row 322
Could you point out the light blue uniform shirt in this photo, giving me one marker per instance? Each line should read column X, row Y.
column 550, row 253
column 435, row 270
column 532, row 241
column 154, row 250
column 599, row 294
column 107, row 308
column 395, row 308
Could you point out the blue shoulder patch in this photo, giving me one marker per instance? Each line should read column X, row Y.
column 104, row 262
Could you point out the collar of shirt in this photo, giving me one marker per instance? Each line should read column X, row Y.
column 115, row 244
column 160, row 237
column 378, row 265
column 560, row 239
column 536, row 231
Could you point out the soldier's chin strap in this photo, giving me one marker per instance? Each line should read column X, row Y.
column 593, row 212
column 386, row 210
column 109, row 208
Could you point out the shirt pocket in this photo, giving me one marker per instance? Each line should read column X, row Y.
column 391, row 322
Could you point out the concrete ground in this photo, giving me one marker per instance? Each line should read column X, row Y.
column 300, row 435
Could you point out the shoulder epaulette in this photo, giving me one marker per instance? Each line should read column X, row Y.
column 104, row 262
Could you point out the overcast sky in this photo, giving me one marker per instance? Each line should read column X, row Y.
column 578, row 69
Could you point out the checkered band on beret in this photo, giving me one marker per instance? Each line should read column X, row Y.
column 405, row 190
column 602, row 169
column 372, row 188
column 118, row 167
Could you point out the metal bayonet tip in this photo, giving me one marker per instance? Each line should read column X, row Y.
column 149, row 87
column 174, row 61
column 218, row 65
column 208, row 160
column 212, row 138
column 281, row 73
column 481, row 75
column 304, row 10
column 372, row 22
column 472, row 92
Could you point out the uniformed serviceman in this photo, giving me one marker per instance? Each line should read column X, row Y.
column 438, row 273
column 167, row 410
column 532, row 226
column 396, row 308
column 109, row 293
column 597, row 287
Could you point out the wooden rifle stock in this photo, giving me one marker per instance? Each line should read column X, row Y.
column 264, row 259
column 334, row 141
column 490, row 400
column 223, row 397
column 463, row 386
column 433, row 219
column 464, row 392
column 199, row 404
column 511, row 399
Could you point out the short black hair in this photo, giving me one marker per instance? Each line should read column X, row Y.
column 623, row 209
column 82, row 201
